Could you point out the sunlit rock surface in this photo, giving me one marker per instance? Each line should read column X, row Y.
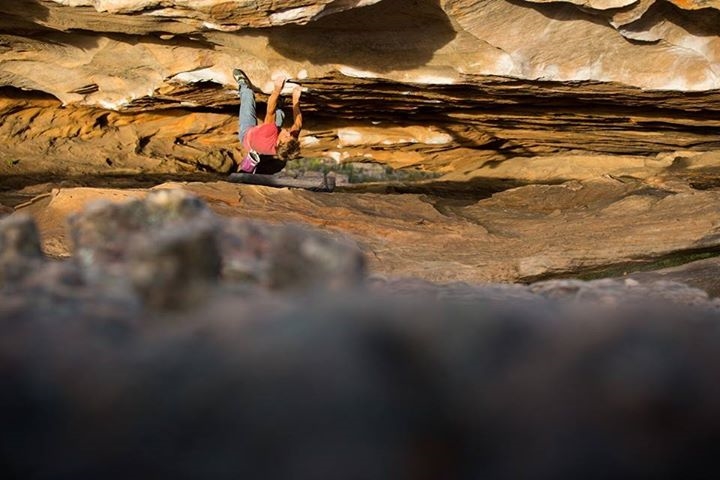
column 147, row 86
column 177, row 247
column 594, row 228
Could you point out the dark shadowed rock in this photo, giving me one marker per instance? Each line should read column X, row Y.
column 59, row 292
column 457, row 292
column 20, row 251
column 109, row 368
column 5, row 211
column 305, row 259
column 172, row 244
column 702, row 274
column 163, row 246
column 612, row 292
column 363, row 386
column 175, row 268
column 605, row 293
column 289, row 257
column 102, row 232
column 112, row 366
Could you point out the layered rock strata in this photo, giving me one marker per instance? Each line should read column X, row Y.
column 593, row 228
column 167, row 250
column 146, row 86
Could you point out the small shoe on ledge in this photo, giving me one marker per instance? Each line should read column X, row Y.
column 241, row 78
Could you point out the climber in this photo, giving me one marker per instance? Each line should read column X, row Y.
column 269, row 138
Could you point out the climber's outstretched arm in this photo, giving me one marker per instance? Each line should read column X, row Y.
column 273, row 100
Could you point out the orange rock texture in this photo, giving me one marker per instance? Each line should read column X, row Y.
column 545, row 126
column 143, row 85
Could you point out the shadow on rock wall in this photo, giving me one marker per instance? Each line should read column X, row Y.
column 702, row 23
column 561, row 11
column 22, row 14
column 390, row 35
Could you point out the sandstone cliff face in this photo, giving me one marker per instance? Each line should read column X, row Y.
column 143, row 85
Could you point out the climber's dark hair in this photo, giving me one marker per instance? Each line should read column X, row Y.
column 289, row 150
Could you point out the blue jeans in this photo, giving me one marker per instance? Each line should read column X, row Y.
column 247, row 117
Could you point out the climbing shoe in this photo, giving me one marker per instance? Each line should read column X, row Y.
column 241, row 78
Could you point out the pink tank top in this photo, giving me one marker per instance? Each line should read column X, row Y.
column 262, row 139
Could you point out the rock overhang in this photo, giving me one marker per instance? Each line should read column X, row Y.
column 599, row 69
column 664, row 47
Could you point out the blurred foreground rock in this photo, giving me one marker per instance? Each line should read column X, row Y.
column 20, row 251
column 170, row 251
column 290, row 257
column 175, row 344
column 362, row 386
column 4, row 210
column 702, row 274
column 164, row 245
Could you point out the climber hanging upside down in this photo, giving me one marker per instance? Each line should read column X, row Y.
column 262, row 143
